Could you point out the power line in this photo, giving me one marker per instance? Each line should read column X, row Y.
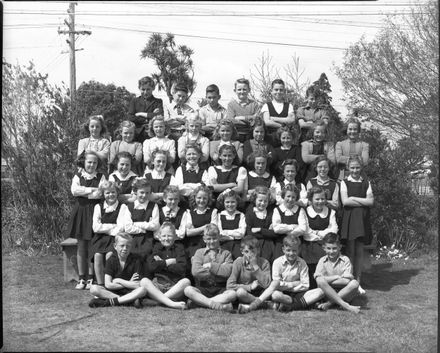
column 214, row 14
column 219, row 38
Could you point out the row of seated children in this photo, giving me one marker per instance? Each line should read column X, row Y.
column 220, row 281
column 95, row 223
column 279, row 139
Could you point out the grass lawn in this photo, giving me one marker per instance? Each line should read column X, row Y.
column 41, row 313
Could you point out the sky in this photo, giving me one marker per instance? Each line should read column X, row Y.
column 228, row 38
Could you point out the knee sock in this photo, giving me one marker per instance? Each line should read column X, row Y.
column 299, row 304
column 113, row 301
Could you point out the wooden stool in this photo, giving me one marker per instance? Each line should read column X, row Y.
column 70, row 264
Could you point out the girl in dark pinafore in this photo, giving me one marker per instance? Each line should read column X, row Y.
column 357, row 198
column 144, row 218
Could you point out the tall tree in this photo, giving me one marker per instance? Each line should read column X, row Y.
column 173, row 61
column 393, row 80
column 107, row 100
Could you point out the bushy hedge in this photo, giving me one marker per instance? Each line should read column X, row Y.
column 400, row 216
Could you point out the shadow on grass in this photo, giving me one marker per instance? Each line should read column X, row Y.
column 382, row 278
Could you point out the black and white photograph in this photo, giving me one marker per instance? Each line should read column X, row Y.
column 226, row 176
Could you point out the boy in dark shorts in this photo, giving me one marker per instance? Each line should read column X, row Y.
column 334, row 272
column 290, row 282
column 167, row 263
column 123, row 272
column 211, row 267
column 250, row 273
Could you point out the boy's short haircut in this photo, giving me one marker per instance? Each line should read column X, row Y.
column 123, row 235
column 211, row 230
column 277, row 81
column 291, row 241
column 242, row 81
column 331, row 238
column 147, row 80
column 213, row 89
column 180, row 88
column 106, row 185
column 250, row 241
column 140, row 183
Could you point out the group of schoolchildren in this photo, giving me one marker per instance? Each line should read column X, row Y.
column 216, row 207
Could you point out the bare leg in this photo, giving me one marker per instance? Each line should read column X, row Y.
column 176, row 291
column 157, row 295
column 103, row 293
column 244, row 296
column 269, row 290
column 334, row 297
column 216, row 302
column 137, row 293
column 351, row 250
column 81, row 257
column 99, row 268
column 280, row 297
column 313, row 295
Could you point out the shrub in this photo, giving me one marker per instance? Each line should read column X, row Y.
column 38, row 137
column 400, row 217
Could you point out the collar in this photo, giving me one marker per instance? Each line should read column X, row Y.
column 221, row 143
column 158, row 175
column 189, row 168
column 149, row 98
column 339, row 258
column 286, row 149
column 110, row 208
column 191, row 137
column 173, row 212
column 350, row 178
column 88, row 176
column 252, row 173
column 322, row 181
column 225, row 213
column 243, row 103
column 196, row 210
column 207, row 250
column 288, row 212
column 140, row 206
column 219, row 108
column 286, row 182
column 129, row 175
column 223, row 169
column 285, row 261
column 312, row 213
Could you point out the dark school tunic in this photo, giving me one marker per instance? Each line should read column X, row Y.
column 356, row 220
column 232, row 245
column 265, row 236
column 142, row 242
column 81, row 220
column 102, row 243
column 278, row 241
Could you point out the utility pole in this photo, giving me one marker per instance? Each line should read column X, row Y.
column 71, row 41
